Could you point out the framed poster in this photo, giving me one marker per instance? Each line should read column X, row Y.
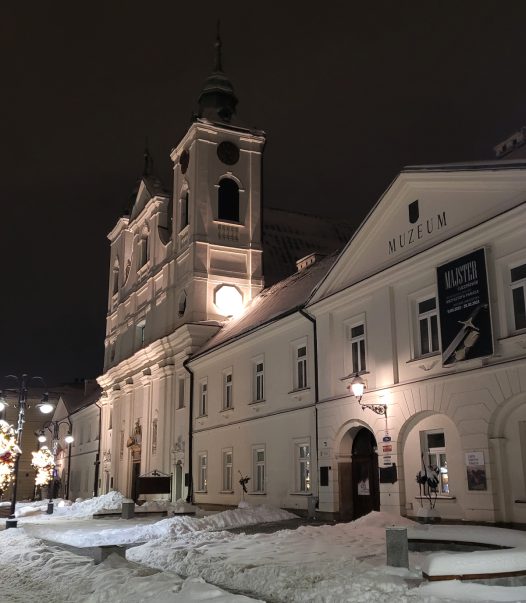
column 463, row 301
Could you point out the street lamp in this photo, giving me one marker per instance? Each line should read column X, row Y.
column 44, row 406
column 54, row 429
column 357, row 387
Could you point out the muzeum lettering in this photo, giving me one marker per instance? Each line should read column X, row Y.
column 417, row 232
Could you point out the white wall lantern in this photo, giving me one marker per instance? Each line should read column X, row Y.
column 228, row 300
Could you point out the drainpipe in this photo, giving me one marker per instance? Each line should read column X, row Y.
column 316, row 392
column 66, row 493
column 97, row 454
column 190, row 495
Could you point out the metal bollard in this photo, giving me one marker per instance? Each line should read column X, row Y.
column 397, row 547
column 128, row 510
column 50, row 507
column 11, row 523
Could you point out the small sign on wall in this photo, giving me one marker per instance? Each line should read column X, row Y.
column 476, row 471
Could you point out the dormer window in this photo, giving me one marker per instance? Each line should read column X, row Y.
column 228, row 200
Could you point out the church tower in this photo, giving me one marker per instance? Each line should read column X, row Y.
column 217, row 207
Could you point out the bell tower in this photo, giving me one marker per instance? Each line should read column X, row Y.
column 217, row 207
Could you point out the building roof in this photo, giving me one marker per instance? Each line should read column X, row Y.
column 282, row 299
column 289, row 236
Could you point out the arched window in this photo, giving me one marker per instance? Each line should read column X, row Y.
column 183, row 204
column 228, row 200
column 115, row 279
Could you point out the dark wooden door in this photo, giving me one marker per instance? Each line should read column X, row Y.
column 365, row 481
column 345, row 487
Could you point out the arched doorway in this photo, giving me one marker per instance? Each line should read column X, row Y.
column 358, row 476
column 365, row 481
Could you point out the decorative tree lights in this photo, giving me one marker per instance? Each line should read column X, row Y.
column 9, row 450
column 44, row 462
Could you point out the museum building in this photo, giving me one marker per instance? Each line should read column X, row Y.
column 224, row 361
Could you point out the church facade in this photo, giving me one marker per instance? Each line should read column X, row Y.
column 212, row 377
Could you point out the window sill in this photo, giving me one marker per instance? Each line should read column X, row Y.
column 433, row 355
column 300, row 494
column 226, row 492
column 264, row 494
column 202, row 417
column 201, row 492
column 439, row 497
column 223, row 410
column 255, row 402
column 228, row 222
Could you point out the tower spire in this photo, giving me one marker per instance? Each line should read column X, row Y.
column 218, row 63
column 217, row 101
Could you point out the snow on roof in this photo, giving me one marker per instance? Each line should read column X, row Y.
column 491, row 164
column 277, row 301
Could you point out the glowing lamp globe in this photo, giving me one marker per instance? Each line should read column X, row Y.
column 357, row 386
column 46, row 408
column 69, row 439
column 228, row 300
column 41, row 438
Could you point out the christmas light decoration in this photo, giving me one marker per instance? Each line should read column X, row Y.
column 8, row 453
column 44, row 462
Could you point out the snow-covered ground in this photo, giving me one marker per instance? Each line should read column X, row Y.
column 193, row 558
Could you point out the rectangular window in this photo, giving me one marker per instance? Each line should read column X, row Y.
column 259, row 381
column 227, row 470
column 356, row 336
column 202, row 482
column 259, row 469
column 203, row 398
column 428, row 326
column 227, row 390
column 434, row 449
column 301, row 367
column 518, row 294
column 180, row 395
column 141, row 333
column 302, row 461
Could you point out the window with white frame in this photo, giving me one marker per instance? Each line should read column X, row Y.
column 357, row 347
column 518, row 296
column 300, row 368
column 203, row 398
column 180, row 392
column 227, row 390
column 258, row 469
column 302, row 466
column 434, row 451
column 202, row 480
column 427, row 326
column 258, row 380
column 227, row 470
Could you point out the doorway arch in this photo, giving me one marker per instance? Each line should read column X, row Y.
column 358, row 479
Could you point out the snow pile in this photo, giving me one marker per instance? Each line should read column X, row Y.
column 33, row 571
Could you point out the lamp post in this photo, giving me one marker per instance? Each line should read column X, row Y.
column 54, row 428
column 44, row 406
column 357, row 387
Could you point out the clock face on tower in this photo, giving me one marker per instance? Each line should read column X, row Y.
column 184, row 160
column 228, row 152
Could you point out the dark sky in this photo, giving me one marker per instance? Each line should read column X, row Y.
column 348, row 93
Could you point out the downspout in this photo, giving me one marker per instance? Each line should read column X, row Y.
column 66, row 493
column 190, row 496
column 97, row 457
column 316, row 393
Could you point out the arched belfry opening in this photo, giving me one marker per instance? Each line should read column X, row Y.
column 228, row 200
column 359, row 486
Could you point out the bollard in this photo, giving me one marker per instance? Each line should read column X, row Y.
column 50, row 508
column 397, row 547
column 128, row 509
column 11, row 523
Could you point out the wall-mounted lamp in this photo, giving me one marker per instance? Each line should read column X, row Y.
column 357, row 388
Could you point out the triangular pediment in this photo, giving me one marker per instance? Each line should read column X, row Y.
column 423, row 207
column 141, row 200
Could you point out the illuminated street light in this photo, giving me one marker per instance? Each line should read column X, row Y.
column 44, row 406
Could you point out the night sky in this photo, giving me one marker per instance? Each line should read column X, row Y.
column 348, row 93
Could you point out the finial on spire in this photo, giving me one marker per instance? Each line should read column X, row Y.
column 218, row 66
column 148, row 161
